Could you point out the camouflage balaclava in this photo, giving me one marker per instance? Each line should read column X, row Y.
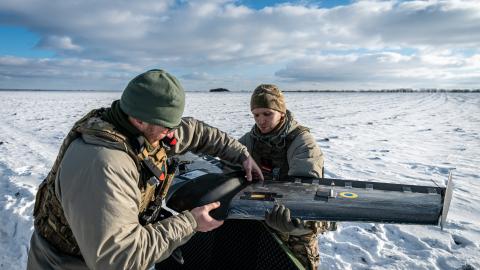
column 155, row 97
column 268, row 96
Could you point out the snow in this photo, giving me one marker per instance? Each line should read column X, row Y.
column 414, row 138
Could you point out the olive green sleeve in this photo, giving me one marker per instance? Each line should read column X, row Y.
column 305, row 157
column 247, row 141
column 200, row 138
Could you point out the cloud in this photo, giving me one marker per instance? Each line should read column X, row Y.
column 384, row 70
column 195, row 76
column 56, row 43
column 228, row 39
column 65, row 74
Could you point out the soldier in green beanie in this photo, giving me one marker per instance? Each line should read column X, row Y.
column 95, row 208
column 283, row 148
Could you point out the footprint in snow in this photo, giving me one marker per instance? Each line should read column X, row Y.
column 461, row 241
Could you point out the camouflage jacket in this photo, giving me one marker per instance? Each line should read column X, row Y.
column 300, row 155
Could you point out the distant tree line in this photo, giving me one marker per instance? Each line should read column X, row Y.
column 399, row 90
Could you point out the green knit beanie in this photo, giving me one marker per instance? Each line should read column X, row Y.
column 268, row 96
column 155, row 97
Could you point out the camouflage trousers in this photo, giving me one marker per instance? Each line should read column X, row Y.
column 305, row 247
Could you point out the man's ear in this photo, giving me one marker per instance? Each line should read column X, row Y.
column 139, row 124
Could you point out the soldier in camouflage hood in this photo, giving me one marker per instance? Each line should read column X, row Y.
column 97, row 208
column 283, row 148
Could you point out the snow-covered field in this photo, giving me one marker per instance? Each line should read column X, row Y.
column 394, row 137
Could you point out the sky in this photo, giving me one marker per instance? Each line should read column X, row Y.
column 298, row 45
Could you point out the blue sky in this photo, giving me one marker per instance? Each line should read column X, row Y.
column 18, row 41
column 240, row 44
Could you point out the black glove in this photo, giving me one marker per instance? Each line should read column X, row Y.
column 279, row 219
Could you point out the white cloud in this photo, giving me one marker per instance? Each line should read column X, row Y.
column 223, row 37
column 197, row 76
column 384, row 70
column 65, row 74
column 57, row 43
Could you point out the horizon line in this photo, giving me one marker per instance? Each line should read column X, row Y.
column 387, row 90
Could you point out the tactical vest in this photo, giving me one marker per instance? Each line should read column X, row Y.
column 272, row 159
column 50, row 221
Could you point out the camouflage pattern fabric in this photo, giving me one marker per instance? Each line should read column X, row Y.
column 305, row 247
column 50, row 221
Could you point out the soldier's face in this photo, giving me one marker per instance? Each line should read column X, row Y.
column 267, row 119
column 155, row 133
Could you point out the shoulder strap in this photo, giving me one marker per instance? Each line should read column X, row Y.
column 93, row 125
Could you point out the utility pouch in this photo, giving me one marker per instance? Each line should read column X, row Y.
column 154, row 211
column 172, row 165
column 157, row 171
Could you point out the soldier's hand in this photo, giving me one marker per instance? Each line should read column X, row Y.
column 279, row 219
column 205, row 222
column 251, row 169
